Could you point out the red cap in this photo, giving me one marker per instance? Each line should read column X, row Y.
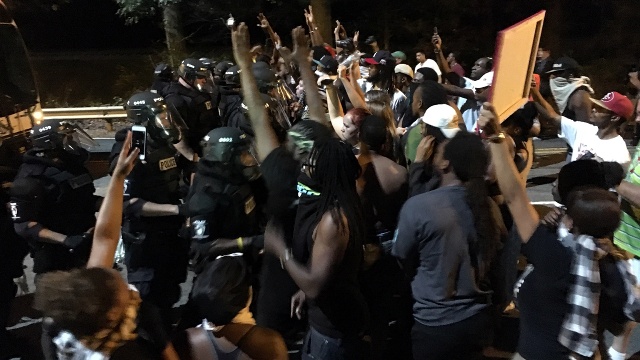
column 616, row 103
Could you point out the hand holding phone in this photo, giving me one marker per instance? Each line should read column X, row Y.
column 139, row 139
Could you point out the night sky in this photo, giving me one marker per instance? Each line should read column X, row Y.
column 84, row 25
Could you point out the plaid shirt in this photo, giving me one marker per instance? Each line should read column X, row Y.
column 578, row 332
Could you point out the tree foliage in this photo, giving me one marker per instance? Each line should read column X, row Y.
column 134, row 10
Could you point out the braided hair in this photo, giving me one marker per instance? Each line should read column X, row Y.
column 334, row 167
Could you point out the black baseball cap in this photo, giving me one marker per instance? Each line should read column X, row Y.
column 381, row 57
column 329, row 65
column 562, row 64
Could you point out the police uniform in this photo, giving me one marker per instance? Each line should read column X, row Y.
column 155, row 256
column 13, row 250
column 219, row 208
column 54, row 189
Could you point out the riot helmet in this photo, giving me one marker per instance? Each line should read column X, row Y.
column 265, row 77
column 220, row 69
column 162, row 121
column 196, row 74
column 63, row 135
column 163, row 72
column 232, row 76
column 230, row 147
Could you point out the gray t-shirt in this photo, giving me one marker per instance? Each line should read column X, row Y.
column 433, row 236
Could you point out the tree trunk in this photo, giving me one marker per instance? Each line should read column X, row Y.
column 322, row 18
column 173, row 31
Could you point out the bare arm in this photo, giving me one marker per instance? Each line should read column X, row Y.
column 458, row 91
column 107, row 232
column 301, row 56
column 510, row 182
column 265, row 139
column 354, row 76
column 544, row 108
column 580, row 103
column 442, row 61
column 630, row 192
column 333, row 102
column 328, row 250
column 355, row 94
column 316, row 38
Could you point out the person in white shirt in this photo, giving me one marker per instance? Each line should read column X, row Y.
column 423, row 61
column 599, row 139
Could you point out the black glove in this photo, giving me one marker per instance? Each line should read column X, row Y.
column 613, row 174
column 74, row 241
column 183, row 210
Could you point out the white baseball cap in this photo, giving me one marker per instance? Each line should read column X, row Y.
column 403, row 69
column 485, row 81
column 444, row 117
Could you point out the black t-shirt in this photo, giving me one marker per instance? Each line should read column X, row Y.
column 280, row 172
column 542, row 299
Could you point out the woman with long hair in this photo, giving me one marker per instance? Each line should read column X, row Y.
column 327, row 253
column 448, row 253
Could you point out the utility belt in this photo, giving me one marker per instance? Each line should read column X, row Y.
column 135, row 230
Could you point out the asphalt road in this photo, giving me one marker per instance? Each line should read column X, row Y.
column 550, row 156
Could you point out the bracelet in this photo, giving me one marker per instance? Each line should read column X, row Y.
column 288, row 254
column 240, row 244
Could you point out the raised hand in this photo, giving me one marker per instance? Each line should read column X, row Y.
column 300, row 45
column 356, row 36
column 240, row 41
column 488, row 120
column 127, row 158
column 264, row 23
column 308, row 15
column 436, row 41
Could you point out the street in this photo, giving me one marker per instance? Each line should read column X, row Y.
column 550, row 156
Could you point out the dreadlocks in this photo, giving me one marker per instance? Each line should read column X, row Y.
column 335, row 169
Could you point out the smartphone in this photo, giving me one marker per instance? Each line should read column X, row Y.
column 139, row 139
column 435, row 30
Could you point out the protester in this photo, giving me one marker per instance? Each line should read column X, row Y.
column 564, row 283
column 452, row 59
column 424, row 61
column 448, row 253
column 599, row 139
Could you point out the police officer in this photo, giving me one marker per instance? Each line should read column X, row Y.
column 52, row 203
column 155, row 256
column 221, row 201
column 162, row 77
column 192, row 96
column 224, row 214
column 231, row 109
column 13, row 250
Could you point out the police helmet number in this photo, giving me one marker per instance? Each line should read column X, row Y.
column 139, row 102
column 225, row 140
column 44, row 128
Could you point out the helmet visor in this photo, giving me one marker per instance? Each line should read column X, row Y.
column 75, row 137
column 171, row 125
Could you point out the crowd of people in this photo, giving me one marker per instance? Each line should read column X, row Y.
column 337, row 197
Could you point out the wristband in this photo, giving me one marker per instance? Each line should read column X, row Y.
column 497, row 138
column 240, row 244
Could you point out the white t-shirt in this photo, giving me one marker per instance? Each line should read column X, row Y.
column 470, row 108
column 583, row 138
column 399, row 104
column 430, row 63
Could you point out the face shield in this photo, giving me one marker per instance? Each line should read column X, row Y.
column 204, row 82
column 170, row 124
column 74, row 138
column 278, row 112
column 249, row 165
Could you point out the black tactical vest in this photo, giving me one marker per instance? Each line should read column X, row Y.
column 221, row 210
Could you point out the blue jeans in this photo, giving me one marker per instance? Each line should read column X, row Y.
column 321, row 347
